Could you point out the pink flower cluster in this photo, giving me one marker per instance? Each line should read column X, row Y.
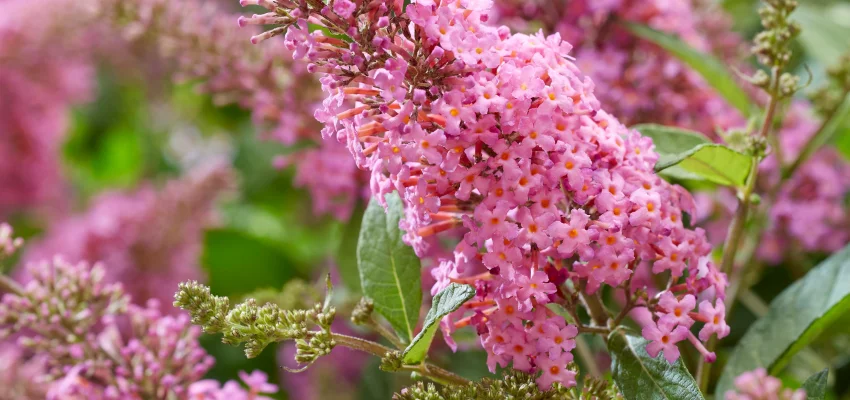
column 151, row 240
column 675, row 319
column 636, row 80
column 256, row 382
column 42, row 73
column 758, row 385
column 76, row 334
column 640, row 82
column 20, row 374
column 498, row 138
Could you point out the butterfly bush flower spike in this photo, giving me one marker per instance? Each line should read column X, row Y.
column 499, row 140
column 758, row 385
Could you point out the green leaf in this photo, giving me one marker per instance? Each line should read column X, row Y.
column 711, row 69
column 822, row 35
column 448, row 300
column 639, row 376
column 327, row 32
column 712, row 162
column 390, row 272
column 670, row 141
column 815, row 386
column 795, row 318
column 239, row 263
column 346, row 255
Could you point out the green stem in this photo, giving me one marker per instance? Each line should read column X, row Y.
column 587, row 356
column 816, row 141
column 9, row 286
column 596, row 309
column 736, row 229
column 386, row 333
column 431, row 371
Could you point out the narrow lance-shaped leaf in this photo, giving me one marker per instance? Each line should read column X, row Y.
column 711, row 69
column 346, row 255
column 389, row 269
column 448, row 300
column 795, row 318
column 639, row 376
column 712, row 162
column 815, row 386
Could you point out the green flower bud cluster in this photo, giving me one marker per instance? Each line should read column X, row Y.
column 772, row 47
column 296, row 294
column 362, row 313
column 827, row 99
column 392, row 361
column 514, row 386
column 257, row 326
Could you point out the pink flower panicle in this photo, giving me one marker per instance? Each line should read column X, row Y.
column 640, row 82
column 636, row 80
column 43, row 72
column 758, row 385
column 90, row 344
column 499, row 139
column 200, row 39
column 150, row 239
column 255, row 384
column 20, row 375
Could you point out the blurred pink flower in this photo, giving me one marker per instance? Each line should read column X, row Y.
column 150, row 240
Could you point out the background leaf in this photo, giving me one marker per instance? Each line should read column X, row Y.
column 815, row 386
column 346, row 255
column 390, row 272
column 448, row 300
column 238, row 263
column 711, row 69
column 712, row 162
column 794, row 319
column 639, row 376
column 824, row 38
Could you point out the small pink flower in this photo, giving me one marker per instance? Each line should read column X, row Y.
column 677, row 310
column 664, row 338
column 716, row 317
column 555, row 370
column 558, row 340
column 344, row 8
column 535, row 287
column 573, row 235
